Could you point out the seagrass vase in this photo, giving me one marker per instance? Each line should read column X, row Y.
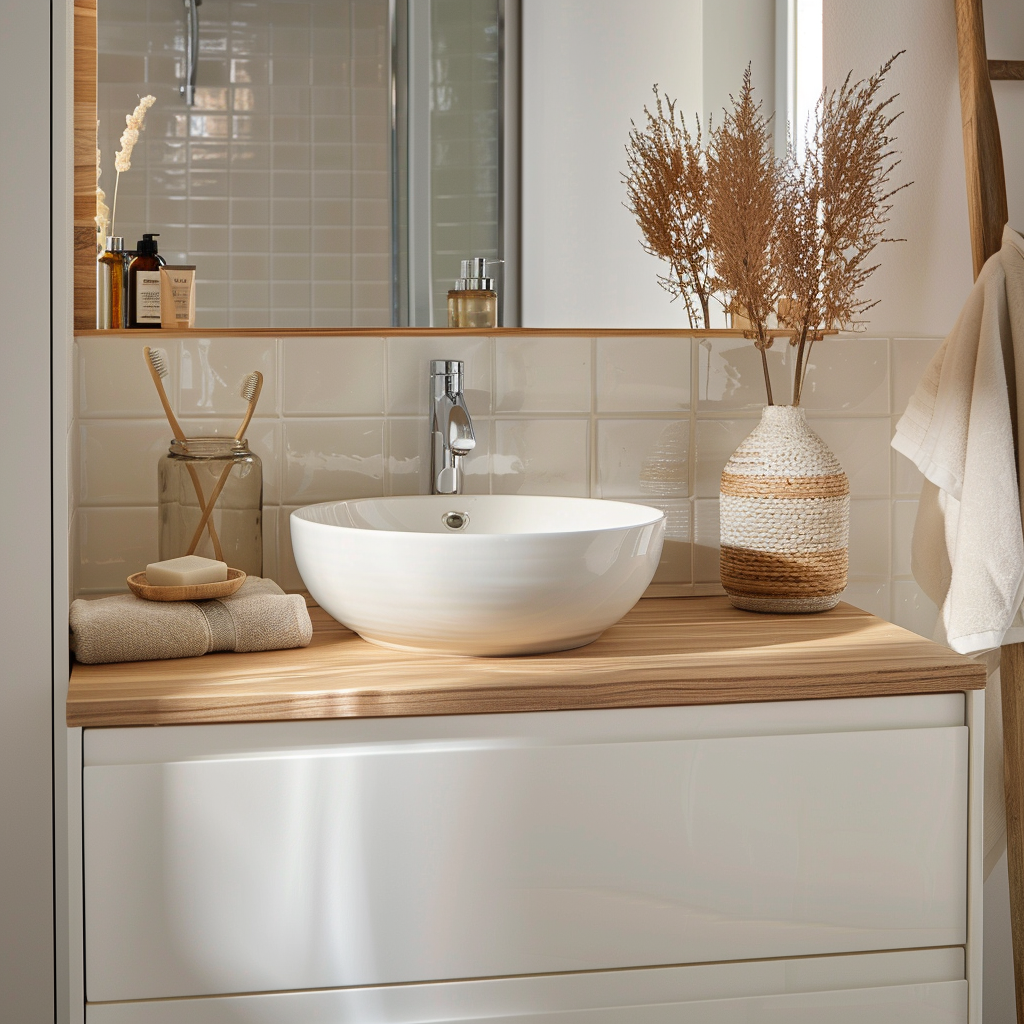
column 785, row 518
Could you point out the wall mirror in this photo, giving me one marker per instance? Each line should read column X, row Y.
column 328, row 163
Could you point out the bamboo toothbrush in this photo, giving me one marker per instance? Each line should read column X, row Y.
column 157, row 363
column 250, row 392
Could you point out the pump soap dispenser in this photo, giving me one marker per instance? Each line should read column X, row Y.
column 144, row 284
column 473, row 302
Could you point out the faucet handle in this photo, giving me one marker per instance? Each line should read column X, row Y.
column 448, row 373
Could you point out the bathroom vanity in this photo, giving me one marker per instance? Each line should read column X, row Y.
column 704, row 816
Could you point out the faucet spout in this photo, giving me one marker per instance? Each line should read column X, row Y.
column 451, row 428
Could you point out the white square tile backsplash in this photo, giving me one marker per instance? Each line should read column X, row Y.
column 619, row 417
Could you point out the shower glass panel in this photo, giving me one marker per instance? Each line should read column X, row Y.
column 449, row 147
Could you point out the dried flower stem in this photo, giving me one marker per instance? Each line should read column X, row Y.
column 130, row 135
column 745, row 198
column 102, row 210
column 666, row 186
column 837, row 205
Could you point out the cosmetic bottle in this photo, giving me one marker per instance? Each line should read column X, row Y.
column 111, row 281
column 473, row 302
column 144, row 284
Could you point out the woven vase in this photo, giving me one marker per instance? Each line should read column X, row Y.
column 785, row 518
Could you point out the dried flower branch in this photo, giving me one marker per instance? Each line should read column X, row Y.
column 745, row 201
column 666, row 187
column 130, row 135
column 836, row 205
column 102, row 210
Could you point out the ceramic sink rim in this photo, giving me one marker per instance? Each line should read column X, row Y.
column 645, row 515
column 514, row 586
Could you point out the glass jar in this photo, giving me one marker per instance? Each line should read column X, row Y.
column 191, row 473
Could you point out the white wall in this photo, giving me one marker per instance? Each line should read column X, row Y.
column 588, row 67
column 923, row 282
column 26, row 876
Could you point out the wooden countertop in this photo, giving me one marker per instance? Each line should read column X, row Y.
column 666, row 651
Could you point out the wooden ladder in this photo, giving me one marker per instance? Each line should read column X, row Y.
column 986, row 204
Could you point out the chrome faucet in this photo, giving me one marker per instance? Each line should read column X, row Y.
column 451, row 429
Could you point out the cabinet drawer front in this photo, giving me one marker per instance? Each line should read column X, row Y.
column 925, row 986
column 433, row 861
column 942, row 1003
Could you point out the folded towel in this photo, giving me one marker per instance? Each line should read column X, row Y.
column 259, row 616
column 960, row 430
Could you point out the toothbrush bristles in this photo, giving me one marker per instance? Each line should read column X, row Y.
column 251, row 386
column 157, row 357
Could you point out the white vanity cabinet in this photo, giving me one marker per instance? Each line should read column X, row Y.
column 786, row 861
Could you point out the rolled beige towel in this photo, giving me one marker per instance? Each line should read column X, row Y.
column 260, row 616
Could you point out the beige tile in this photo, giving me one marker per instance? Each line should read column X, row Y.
column 872, row 596
column 117, row 461
column 213, row 369
column 330, row 460
column 408, row 368
column 264, row 437
column 910, row 358
column 541, row 457
column 706, row 541
column 333, row 376
column 288, row 577
column 715, row 442
column 271, row 516
column 848, row 374
column 676, row 565
column 114, row 380
column 904, row 515
column 643, row 374
column 730, row 377
column 542, row 374
column 113, row 543
column 912, row 610
column 869, row 539
column 642, row 457
column 289, row 295
column 862, row 447
column 408, row 457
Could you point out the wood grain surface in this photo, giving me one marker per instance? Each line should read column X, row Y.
column 666, row 651
column 85, row 164
column 983, row 154
column 397, row 332
column 1006, row 70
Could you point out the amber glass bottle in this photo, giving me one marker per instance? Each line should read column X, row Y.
column 111, row 278
column 144, row 284
column 473, row 301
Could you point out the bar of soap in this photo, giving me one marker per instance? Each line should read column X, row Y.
column 186, row 571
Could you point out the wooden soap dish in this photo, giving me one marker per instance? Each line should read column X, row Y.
column 197, row 592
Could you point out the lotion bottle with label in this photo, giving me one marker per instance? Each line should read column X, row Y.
column 144, row 284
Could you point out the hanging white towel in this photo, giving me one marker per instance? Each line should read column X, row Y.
column 960, row 430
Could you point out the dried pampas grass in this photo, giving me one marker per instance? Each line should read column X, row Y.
column 134, row 123
column 667, row 192
column 744, row 214
column 102, row 210
column 837, row 203
column 785, row 240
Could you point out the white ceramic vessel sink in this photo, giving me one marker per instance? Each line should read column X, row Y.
column 477, row 574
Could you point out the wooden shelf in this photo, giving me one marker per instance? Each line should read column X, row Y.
column 451, row 332
column 666, row 651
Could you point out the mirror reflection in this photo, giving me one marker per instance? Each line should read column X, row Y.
column 330, row 163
